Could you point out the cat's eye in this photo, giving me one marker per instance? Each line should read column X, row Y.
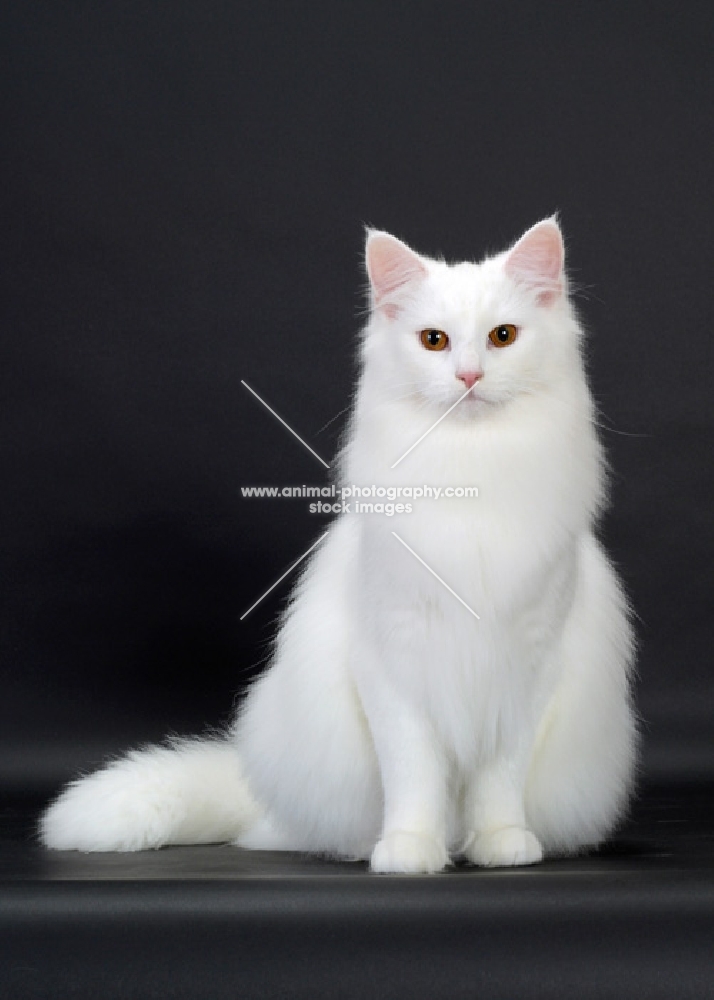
column 434, row 340
column 503, row 335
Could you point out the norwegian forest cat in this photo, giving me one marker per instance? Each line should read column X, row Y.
column 453, row 680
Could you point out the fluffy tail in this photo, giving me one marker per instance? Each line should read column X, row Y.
column 186, row 792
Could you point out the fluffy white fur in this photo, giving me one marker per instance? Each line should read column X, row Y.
column 392, row 725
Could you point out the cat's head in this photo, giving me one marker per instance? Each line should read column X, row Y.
column 501, row 329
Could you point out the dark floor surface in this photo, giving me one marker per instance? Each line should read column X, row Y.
column 635, row 919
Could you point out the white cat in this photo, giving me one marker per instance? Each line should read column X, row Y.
column 393, row 724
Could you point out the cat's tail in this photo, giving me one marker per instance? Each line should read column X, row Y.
column 188, row 791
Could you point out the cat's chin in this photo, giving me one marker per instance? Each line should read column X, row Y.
column 473, row 404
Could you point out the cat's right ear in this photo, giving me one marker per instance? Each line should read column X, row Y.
column 391, row 267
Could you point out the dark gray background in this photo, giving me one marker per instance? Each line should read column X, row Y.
column 184, row 189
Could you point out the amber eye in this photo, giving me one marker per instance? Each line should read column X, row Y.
column 434, row 340
column 503, row 335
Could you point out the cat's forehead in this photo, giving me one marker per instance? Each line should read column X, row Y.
column 468, row 288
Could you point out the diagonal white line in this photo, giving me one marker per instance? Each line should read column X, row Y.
column 434, row 574
column 277, row 417
column 436, row 422
column 280, row 579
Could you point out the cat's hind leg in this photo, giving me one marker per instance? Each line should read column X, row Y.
column 582, row 769
column 265, row 835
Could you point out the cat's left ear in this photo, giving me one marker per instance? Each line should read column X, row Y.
column 537, row 260
column 392, row 267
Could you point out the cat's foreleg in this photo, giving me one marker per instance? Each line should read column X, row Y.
column 413, row 837
column 414, row 782
column 498, row 834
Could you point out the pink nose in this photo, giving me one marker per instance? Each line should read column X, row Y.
column 469, row 378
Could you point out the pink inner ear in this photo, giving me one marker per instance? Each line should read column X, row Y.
column 537, row 261
column 391, row 265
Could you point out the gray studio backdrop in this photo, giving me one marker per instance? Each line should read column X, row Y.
column 184, row 189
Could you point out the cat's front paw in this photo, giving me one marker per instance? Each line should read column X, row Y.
column 511, row 845
column 403, row 853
